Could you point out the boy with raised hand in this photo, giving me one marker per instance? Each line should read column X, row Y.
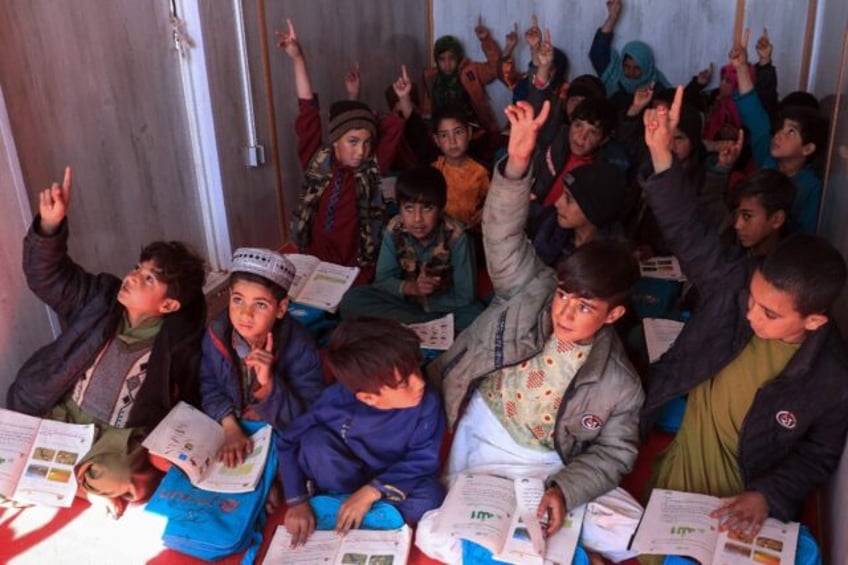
column 129, row 351
column 340, row 217
column 801, row 133
column 550, row 392
column 762, row 362
column 367, row 453
column 258, row 363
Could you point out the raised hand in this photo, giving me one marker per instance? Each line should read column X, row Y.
column 729, row 151
column 613, row 14
column 524, row 129
column 533, row 35
column 660, row 124
column 511, row 41
column 352, row 82
column 288, row 41
column 641, row 98
column 480, row 30
column 546, row 50
column 705, row 76
column 764, row 48
column 402, row 86
column 738, row 56
column 53, row 204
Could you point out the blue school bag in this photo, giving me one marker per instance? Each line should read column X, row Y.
column 212, row 525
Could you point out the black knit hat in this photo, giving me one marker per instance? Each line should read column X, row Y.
column 598, row 189
column 346, row 115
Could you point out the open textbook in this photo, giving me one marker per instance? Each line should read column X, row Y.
column 368, row 547
column 435, row 334
column 37, row 458
column 679, row 523
column 500, row 515
column 667, row 268
column 190, row 439
column 660, row 335
column 318, row 283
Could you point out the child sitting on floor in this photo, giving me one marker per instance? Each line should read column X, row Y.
column 129, row 350
column 257, row 362
column 467, row 180
column 762, row 362
column 801, row 133
column 374, row 436
column 426, row 266
column 340, row 217
column 552, row 393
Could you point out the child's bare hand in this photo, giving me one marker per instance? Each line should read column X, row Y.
column 511, row 39
column 546, row 51
column 660, row 124
column 300, row 523
column 237, row 446
column 53, row 204
column 552, row 510
column 352, row 82
column 729, row 151
column 260, row 360
column 764, row 48
column 641, row 98
column 288, row 41
column 480, row 30
column 533, row 34
column 613, row 10
column 742, row 514
column 425, row 284
column 355, row 507
column 402, row 86
column 738, row 56
column 524, row 129
column 705, row 76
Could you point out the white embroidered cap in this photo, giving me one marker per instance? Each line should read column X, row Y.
column 265, row 263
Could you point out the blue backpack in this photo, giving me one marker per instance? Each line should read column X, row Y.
column 212, row 525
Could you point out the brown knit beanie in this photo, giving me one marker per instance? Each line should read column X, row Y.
column 346, row 115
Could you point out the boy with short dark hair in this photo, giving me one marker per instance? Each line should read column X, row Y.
column 129, row 351
column 373, row 438
column 341, row 210
column 801, row 134
column 586, row 210
column 763, row 203
column 426, row 265
column 550, row 391
column 467, row 180
column 764, row 366
column 258, row 363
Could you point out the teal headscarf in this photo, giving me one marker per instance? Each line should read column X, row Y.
column 613, row 76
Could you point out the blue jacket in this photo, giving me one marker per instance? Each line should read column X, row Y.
column 399, row 447
column 804, row 215
column 298, row 380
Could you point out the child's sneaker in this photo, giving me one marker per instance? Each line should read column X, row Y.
column 381, row 516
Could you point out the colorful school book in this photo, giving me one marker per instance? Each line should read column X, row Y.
column 373, row 547
column 679, row 523
column 436, row 334
column 190, row 440
column 666, row 268
column 318, row 283
column 37, row 458
column 499, row 514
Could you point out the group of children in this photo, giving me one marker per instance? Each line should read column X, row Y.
column 537, row 383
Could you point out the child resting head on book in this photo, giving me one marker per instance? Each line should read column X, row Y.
column 366, row 454
column 257, row 363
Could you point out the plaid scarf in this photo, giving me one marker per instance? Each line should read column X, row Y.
column 369, row 202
